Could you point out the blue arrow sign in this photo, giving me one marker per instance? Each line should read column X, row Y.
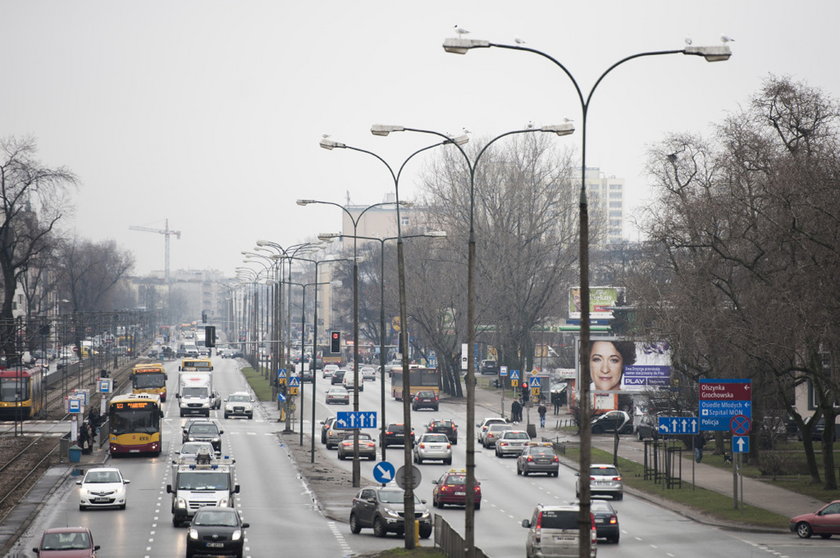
column 678, row 425
column 383, row 472
column 514, row 374
column 351, row 420
column 740, row 444
column 294, row 381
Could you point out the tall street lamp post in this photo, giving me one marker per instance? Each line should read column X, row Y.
column 408, row 496
column 268, row 305
column 355, row 222
column 382, row 241
column 711, row 54
column 383, row 130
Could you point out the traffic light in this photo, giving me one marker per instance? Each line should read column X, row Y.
column 335, row 342
column 209, row 336
column 203, row 317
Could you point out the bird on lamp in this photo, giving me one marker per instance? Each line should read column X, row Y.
column 461, row 31
column 518, row 41
column 727, row 39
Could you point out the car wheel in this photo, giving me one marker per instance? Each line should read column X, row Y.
column 226, row 415
column 518, row 470
column 355, row 528
column 447, row 461
column 379, row 528
column 803, row 530
column 619, row 496
column 122, row 507
column 639, row 435
column 614, row 540
column 251, row 416
column 82, row 508
column 525, row 472
column 434, row 503
column 478, row 505
column 825, row 535
column 425, row 532
column 175, row 522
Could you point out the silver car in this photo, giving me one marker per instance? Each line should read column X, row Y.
column 553, row 532
column 511, row 442
column 433, row 446
column 494, row 432
column 604, row 479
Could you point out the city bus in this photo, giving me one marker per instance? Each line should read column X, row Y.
column 196, row 365
column 420, row 379
column 149, row 378
column 134, row 424
column 20, row 394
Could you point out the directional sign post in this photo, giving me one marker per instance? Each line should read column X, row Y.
column 105, row 385
column 678, row 425
column 384, row 472
column 281, row 376
column 740, row 444
column 722, row 400
column 351, row 420
column 294, row 385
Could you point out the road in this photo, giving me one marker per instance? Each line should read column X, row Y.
column 285, row 520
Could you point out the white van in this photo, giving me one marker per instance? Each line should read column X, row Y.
column 553, row 532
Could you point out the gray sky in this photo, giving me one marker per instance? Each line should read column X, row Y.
column 210, row 112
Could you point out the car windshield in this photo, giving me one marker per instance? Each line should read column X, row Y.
column 398, row 428
column 516, row 436
column 603, row 471
column 65, row 541
column 435, row 438
column 205, row 480
column 601, row 506
column 425, row 394
column 102, row 477
column 224, row 518
column 455, row 479
column 560, row 519
column 362, row 436
column 204, row 430
column 395, row 497
column 239, row 398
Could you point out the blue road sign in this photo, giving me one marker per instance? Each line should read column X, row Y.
column 740, row 444
column 350, row 420
column 294, row 381
column 503, row 371
column 383, row 472
column 514, row 374
column 105, row 385
column 678, row 425
column 281, row 373
column 721, row 400
column 75, row 405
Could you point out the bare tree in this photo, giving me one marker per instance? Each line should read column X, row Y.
column 89, row 270
column 33, row 201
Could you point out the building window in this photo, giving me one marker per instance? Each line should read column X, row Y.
column 615, row 213
column 404, row 220
column 615, row 195
column 616, row 204
column 615, row 186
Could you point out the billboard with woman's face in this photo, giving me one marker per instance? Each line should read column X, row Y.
column 628, row 366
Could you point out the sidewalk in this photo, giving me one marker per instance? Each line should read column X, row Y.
column 755, row 493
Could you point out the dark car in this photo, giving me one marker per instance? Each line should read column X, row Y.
column 325, row 427
column 823, row 522
column 394, row 435
column 367, row 447
column 216, row 531
column 611, row 422
column 450, row 489
column 381, row 508
column 538, row 459
column 606, row 520
column 488, row 367
column 425, row 400
column 204, row 431
column 66, row 542
column 447, row 427
column 338, row 377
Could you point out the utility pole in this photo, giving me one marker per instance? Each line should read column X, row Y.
column 166, row 232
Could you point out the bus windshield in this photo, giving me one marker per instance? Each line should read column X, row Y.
column 11, row 387
column 144, row 420
column 148, row 380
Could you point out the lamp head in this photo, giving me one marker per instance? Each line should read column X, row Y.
column 328, row 236
column 461, row 46
column 385, row 129
column 719, row 53
column 563, row 129
column 329, row 144
column 406, row 203
column 304, row 202
column 463, row 139
column 436, row 234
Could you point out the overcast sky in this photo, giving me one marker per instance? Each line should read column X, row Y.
column 209, row 113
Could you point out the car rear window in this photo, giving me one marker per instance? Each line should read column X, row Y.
column 559, row 519
column 604, row 471
column 541, row 451
column 456, row 479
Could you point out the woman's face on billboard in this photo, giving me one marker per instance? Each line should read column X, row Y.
column 605, row 365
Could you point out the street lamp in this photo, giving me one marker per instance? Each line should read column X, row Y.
column 563, row 129
column 408, row 496
column 355, row 222
column 716, row 53
column 330, row 236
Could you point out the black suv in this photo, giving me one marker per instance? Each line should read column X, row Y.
column 447, row 427
column 425, row 400
column 204, row 431
column 338, row 377
column 394, row 435
column 381, row 507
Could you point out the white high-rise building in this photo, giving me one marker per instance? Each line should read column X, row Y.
column 605, row 195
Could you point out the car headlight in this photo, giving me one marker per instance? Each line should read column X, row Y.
column 223, row 502
column 180, row 503
column 194, row 534
column 191, row 438
column 389, row 511
column 236, row 535
column 216, row 440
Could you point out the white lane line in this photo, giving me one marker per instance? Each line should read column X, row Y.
column 342, row 543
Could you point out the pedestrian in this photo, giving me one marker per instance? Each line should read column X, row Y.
column 555, row 399
column 516, row 411
column 84, row 438
column 699, row 442
column 542, row 411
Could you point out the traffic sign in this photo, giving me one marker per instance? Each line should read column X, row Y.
column 105, row 385
column 294, row 390
column 740, row 425
column 722, row 400
column 350, row 420
column 677, row 425
column 535, row 391
column 503, row 371
column 74, row 405
column 281, row 376
column 740, row 444
column 514, row 383
column 415, row 476
column 294, row 382
column 514, row 374
column 383, row 472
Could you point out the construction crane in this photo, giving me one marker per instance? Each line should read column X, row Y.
column 167, row 232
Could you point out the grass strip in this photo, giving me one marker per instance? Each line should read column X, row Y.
column 257, row 381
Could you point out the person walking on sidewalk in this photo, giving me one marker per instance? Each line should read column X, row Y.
column 542, row 411
column 555, row 400
column 516, row 411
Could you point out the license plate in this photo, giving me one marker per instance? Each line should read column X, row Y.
column 558, row 538
column 460, row 494
column 215, row 545
column 600, row 520
column 100, row 500
column 133, row 451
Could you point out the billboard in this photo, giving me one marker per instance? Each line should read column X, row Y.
column 617, row 366
column 600, row 301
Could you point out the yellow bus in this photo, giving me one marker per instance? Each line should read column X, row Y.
column 149, row 378
column 134, row 424
column 420, row 379
column 196, row 365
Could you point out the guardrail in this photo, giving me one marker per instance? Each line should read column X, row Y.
column 450, row 541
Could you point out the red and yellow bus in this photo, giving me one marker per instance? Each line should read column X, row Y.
column 20, row 394
column 134, row 424
column 420, row 379
column 149, row 378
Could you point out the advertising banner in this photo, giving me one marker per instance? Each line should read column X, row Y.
column 600, row 301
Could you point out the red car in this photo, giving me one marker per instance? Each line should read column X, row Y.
column 66, row 542
column 823, row 522
column 450, row 489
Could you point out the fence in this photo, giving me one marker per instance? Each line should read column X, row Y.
column 450, row 541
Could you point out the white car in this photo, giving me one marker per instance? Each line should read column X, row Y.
column 329, row 370
column 348, row 383
column 239, row 404
column 367, row 372
column 102, row 488
column 433, row 446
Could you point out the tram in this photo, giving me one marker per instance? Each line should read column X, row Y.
column 21, row 393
